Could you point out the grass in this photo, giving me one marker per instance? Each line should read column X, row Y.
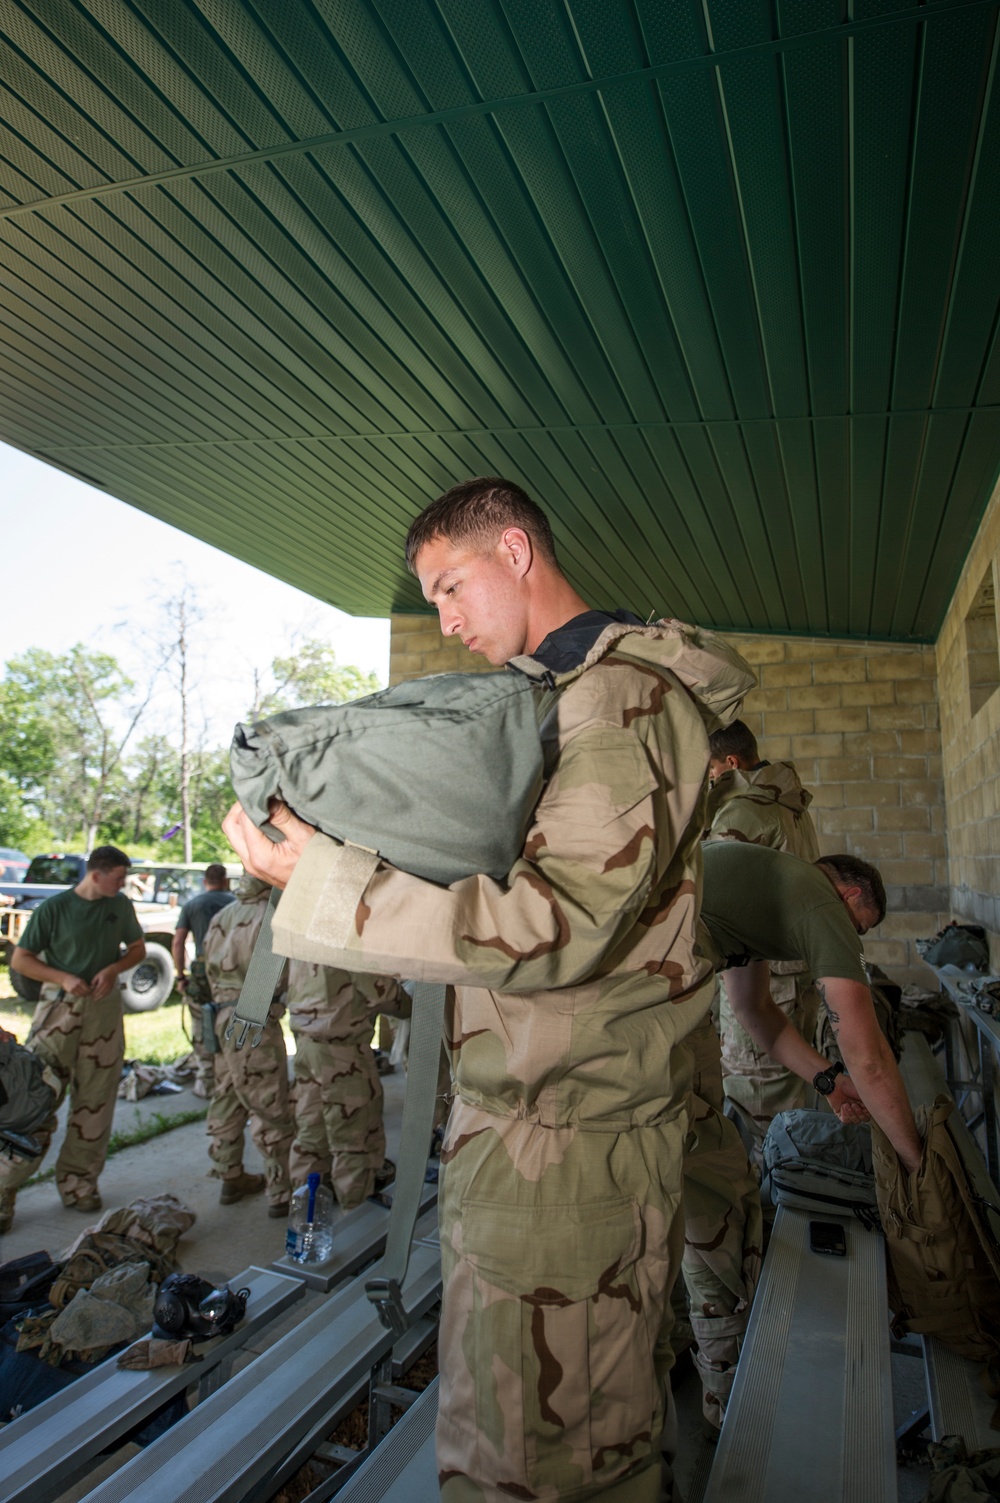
column 153, row 1127
column 156, row 1038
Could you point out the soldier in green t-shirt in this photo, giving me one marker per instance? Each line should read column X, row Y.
column 77, row 943
column 760, row 905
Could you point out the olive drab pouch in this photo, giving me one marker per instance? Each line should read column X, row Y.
column 814, row 1162
column 944, row 1257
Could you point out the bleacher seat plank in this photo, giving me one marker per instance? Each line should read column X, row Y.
column 811, row 1409
column 403, row 1468
column 268, row 1417
column 44, row 1451
column 358, row 1239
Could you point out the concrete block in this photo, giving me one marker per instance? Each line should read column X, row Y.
column 826, row 745
column 898, row 717
column 815, row 697
column 788, row 722
column 840, row 671
column 895, row 665
column 843, row 769
column 901, row 769
column 761, row 649
column 915, row 818
column 880, row 693
column 871, row 793
column 836, row 821
column 785, row 675
column 851, row 720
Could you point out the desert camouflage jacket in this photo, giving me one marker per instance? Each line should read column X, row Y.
column 229, row 942
column 767, row 806
column 328, row 1005
column 577, row 975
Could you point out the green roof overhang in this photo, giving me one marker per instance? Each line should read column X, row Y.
column 718, row 283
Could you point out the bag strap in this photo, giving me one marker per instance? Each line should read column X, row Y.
column 263, row 975
column 426, row 1029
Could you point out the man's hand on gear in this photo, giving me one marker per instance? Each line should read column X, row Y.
column 76, row 986
column 103, row 982
column 262, row 857
column 846, row 1102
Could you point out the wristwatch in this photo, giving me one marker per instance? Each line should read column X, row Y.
column 825, row 1082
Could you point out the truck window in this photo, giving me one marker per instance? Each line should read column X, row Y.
column 64, row 870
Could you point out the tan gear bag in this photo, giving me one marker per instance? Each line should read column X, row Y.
column 944, row 1259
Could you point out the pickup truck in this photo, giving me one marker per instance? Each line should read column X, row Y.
column 157, row 890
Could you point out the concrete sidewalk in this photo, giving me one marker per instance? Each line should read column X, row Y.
column 224, row 1239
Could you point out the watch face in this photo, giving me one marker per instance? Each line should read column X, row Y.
column 823, row 1083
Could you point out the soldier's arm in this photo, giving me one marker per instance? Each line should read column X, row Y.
column 106, row 978
column 870, row 1063
column 867, row 1056
column 590, row 862
column 29, row 965
column 177, row 950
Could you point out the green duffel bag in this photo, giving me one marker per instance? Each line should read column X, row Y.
column 439, row 775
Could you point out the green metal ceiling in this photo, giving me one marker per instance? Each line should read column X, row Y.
column 717, row 280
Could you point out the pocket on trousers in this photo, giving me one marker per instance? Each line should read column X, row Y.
column 564, row 1382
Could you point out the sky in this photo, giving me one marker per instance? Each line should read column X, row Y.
column 80, row 566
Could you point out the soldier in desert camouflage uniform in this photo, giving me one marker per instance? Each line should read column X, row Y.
column 763, row 803
column 575, row 983
column 338, row 1093
column 77, row 1029
column 250, row 1084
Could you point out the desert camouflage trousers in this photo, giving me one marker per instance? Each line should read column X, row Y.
column 559, row 1247
column 251, row 1085
column 338, row 1117
column 753, row 1081
column 723, row 1229
column 82, row 1044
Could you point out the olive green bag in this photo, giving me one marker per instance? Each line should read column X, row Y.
column 440, row 776
column 944, row 1259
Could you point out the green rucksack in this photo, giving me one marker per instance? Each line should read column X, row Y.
column 26, row 1099
column 440, row 776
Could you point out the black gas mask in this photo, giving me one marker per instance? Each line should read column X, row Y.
column 188, row 1306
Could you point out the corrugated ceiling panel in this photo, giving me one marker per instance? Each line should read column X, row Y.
column 717, row 282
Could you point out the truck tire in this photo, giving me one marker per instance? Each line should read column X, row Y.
column 147, row 985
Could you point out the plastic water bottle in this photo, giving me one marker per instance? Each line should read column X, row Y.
column 309, row 1238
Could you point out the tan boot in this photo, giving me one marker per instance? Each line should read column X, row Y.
column 235, row 1189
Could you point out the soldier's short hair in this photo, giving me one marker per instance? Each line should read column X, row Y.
column 734, row 740
column 104, row 858
column 858, row 873
column 476, row 513
column 215, row 872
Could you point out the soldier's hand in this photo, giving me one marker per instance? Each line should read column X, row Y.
column 261, row 856
column 103, row 982
column 76, row 986
column 846, row 1102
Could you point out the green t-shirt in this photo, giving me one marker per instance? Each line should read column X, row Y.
column 81, row 936
column 762, row 904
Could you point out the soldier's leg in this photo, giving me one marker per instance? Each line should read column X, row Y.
column 352, row 1114
column 556, row 1257
column 754, row 1082
column 260, row 1077
column 53, row 1037
column 93, row 1089
column 310, row 1152
column 227, row 1113
column 195, row 997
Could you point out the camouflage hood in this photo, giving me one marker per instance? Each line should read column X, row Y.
column 712, row 671
column 777, row 782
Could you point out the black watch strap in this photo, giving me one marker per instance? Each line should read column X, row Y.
column 825, row 1080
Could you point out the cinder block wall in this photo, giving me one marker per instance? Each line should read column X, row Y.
column 971, row 747
column 416, row 647
column 860, row 721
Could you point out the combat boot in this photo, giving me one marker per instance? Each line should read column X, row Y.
column 244, row 1184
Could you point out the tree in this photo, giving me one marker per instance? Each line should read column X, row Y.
column 84, row 706
column 27, row 757
column 309, row 676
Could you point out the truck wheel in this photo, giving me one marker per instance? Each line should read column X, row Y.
column 149, row 983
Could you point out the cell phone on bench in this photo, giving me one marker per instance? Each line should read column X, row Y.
column 828, row 1237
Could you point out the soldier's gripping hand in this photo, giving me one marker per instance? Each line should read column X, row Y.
column 103, row 982
column 76, row 986
column 846, row 1102
column 270, row 860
